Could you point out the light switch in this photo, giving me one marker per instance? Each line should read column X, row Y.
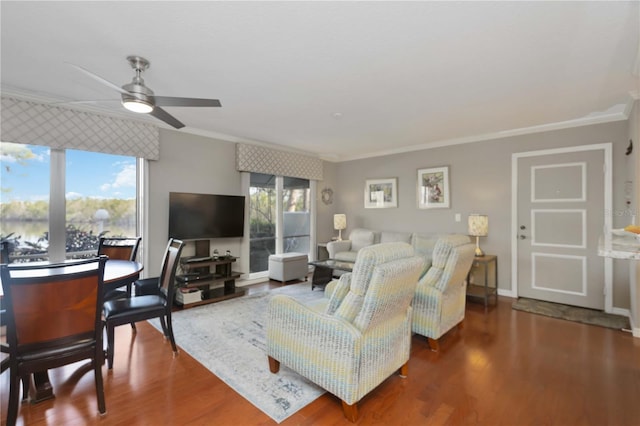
column 458, row 217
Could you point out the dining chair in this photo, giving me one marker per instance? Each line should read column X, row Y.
column 4, row 258
column 121, row 248
column 4, row 252
column 133, row 309
column 54, row 318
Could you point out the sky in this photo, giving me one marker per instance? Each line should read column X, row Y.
column 88, row 174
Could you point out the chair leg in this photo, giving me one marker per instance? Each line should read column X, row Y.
column 133, row 327
column 433, row 344
column 110, row 342
column 404, row 370
column 350, row 411
column 274, row 365
column 26, row 380
column 12, row 410
column 163, row 324
column 170, row 332
column 97, row 371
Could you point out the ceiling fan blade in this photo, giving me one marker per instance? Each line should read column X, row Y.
column 186, row 102
column 98, row 78
column 163, row 115
column 93, row 101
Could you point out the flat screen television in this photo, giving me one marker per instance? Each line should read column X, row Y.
column 202, row 216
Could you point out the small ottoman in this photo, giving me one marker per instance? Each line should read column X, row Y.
column 288, row 266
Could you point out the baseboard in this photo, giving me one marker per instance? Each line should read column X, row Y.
column 621, row 311
column 507, row 293
column 250, row 281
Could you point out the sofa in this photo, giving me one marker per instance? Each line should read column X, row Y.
column 347, row 250
column 440, row 297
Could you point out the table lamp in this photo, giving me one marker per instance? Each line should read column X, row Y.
column 478, row 227
column 339, row 223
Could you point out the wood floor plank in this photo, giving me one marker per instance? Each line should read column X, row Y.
column 503, row 368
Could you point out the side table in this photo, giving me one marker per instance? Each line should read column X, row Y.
column 321, row 251
column 484, row 291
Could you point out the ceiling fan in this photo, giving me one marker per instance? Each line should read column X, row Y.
column 137, row 97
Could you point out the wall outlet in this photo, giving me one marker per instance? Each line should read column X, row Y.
column 458, row 217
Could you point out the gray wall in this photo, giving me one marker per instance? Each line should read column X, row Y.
column 188, row 163
column 480, row 178
column 480, row 182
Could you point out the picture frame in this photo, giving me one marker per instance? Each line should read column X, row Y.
column 433, row 188
column 381, row 193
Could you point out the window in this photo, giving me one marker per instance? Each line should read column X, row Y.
column 279, row 216
column 262, row 221
column 296, row 219
column 24, row 202
column 90, row 194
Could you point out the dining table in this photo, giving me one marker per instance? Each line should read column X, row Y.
column 117, row 273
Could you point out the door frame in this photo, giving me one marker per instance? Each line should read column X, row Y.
column 607, row 149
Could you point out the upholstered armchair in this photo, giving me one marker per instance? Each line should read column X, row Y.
column 363, row 334
column 440, row 298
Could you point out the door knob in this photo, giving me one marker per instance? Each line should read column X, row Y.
column 523, row 227
column 522, row 237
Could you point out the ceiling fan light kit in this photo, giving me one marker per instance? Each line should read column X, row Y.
column 136, row 105
column 137, row 97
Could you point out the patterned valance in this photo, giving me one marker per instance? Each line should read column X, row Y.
column 259, row 159
column 58, row 127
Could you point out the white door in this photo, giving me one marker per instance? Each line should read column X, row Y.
column 561, row 202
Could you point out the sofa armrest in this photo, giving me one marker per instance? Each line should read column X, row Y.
column 334, row 247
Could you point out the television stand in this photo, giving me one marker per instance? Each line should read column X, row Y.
column 220, row 272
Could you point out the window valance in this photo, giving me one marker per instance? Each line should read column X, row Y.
column 259, row 159
column 58, row 127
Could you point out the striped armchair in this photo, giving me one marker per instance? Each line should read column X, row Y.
column 364, row 333
column 440, row 297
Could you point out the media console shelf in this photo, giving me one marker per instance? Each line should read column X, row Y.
column 217, row 271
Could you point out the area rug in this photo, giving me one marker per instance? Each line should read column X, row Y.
column 571, row 313
column 229, row 338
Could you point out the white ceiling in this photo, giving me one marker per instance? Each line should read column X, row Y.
column 342, row 80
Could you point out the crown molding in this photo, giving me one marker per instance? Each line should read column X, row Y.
column 619, row 112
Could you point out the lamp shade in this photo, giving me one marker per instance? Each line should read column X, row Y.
column 339, row 221
column 478, row 225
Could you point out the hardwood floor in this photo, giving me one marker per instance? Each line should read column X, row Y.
column 503, row 368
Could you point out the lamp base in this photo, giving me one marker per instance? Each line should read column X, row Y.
column 339, row 234
column 479, row 253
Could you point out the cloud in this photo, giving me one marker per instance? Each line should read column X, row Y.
column 72, row 195
column 124, row 178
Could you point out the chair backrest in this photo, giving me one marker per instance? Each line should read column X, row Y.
column 4, row 252
column 451, row 260
column 377, row 266
column 53, row 305
column 169, row 266
column 121, row 248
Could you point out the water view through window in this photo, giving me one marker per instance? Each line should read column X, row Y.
column 92, row 194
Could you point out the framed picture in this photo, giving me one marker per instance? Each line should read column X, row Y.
column 381, row 193
column 433, row 188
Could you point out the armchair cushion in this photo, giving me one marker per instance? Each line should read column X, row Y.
column 336, row 291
